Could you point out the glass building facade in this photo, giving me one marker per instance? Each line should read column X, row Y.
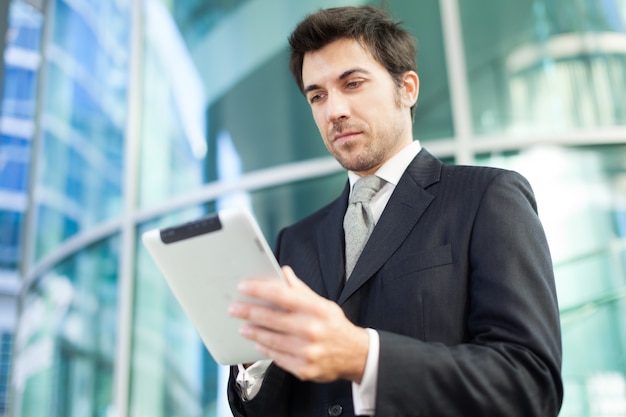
column 123, row 115
column 19, row 69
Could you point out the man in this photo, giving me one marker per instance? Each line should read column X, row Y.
column 450, row 309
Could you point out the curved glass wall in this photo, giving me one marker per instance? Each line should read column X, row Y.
column 82, row 120
column 174, row 126
column 17, row 113
column 19, row 68
column 67, row 330
column 220, row 122
column 433, row 115
column 67, row 335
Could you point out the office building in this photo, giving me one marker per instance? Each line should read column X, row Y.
column 123, row 115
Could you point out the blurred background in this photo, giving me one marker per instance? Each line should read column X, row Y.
column 118, row 116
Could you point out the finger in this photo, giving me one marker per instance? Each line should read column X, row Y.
column 261, row 290
column 277, row 321
column 267, row 337
column 292, row 280
column 287, row 350
column 239, row 309
column 295, row 296
column 285, row 360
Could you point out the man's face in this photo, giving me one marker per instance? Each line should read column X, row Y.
column 361, row 113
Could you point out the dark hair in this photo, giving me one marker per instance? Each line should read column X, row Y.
column 390, row 45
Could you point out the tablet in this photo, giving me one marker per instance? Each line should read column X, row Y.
column 202, row 262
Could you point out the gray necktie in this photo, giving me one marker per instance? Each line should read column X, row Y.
column 358, row 222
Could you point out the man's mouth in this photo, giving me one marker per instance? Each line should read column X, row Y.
column 343, row 136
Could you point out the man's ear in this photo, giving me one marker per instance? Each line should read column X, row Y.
column 410, row 88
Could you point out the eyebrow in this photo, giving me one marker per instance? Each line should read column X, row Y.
column 343, row 76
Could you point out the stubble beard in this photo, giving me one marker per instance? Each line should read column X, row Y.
column 358, row 160
column 374, row 152
column 364, row 155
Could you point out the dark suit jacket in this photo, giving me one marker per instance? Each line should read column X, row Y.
column 456, row 278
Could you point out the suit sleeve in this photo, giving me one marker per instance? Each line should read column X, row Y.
column 509, row 364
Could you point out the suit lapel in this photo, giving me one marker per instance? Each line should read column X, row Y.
column 330, row 246
column 404, row 209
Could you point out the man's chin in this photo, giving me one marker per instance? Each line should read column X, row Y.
column 355, row 166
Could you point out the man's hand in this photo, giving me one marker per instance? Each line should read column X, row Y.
column 303, row 333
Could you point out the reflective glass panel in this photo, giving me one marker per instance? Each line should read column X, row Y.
column 433, row 115
column 82, row 120
column 6, row 346
column 545, row 66
column 173, row 122
column 19, row 90
column 67, row 335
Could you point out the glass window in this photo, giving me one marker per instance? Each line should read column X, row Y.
column 197, row 17
column 6, row 344
column 19, row 91
column 67, row 335
column 173, row 120
column 433, row 115
column 10, row 239
column 83, row 120
column 17, row 110
column 553, row 66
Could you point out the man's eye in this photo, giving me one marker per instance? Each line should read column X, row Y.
column 353, row 84
column 315, row 98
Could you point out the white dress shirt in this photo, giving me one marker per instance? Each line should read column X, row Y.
column 363, row 394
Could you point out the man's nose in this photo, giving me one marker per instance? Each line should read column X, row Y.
column 336, row 107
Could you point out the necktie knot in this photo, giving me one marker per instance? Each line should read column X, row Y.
column 365, row 188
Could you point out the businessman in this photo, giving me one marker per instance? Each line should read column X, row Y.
column 423, row 289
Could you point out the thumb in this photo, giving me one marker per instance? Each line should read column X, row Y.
column 292, row 280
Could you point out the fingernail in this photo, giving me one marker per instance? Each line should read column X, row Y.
column 235, row 310
column 245, row 331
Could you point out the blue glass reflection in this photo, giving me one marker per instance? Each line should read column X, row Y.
column 21, row 60
column 67, row 335
column 83, row 119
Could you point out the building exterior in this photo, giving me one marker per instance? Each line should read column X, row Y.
column 123, row 115
column 18, row 86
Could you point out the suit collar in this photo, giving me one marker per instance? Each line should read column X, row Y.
column 330, row 246
column 425, row 169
